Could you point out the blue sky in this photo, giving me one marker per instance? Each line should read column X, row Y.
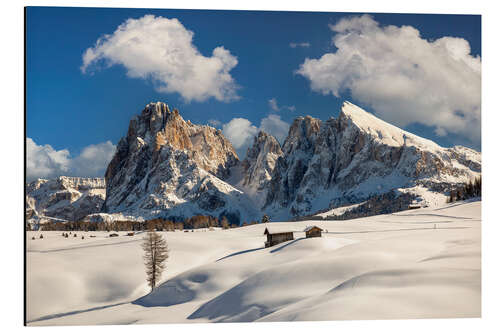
column 75, row 117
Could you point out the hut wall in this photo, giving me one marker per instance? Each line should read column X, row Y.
column 313, row 233
column 273, row 239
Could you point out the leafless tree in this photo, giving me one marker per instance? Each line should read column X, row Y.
column 155, row 254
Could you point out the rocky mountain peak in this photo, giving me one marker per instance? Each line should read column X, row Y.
column 166, row 165
column 358, row 155
column 158, row 126
column 302, row 134
column 263, row 142
column 353, row 116
column 260, row 162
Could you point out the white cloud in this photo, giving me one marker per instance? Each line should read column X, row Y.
column 403, row 77
column 303, row 44
column 240, row 131
column 273, row 125
column 46, row 162
column 273, row 104
column 161, row 50
column 93, row 160
column 441, row 131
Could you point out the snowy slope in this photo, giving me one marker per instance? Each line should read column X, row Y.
column 418, row 264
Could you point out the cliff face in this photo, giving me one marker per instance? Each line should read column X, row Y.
column 168, row 167
column 356, row 156
column 260, row 161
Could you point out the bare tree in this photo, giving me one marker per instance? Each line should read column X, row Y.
column 155, row 254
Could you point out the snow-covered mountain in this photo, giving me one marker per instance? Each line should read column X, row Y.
column 63, row 198
column 168, row 167
column 358, row 156
column 253, row 175
column 171, row 168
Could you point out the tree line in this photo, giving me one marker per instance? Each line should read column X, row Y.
column 470, row 190
column 159, row 224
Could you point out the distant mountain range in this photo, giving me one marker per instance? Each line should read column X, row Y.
column 168, row 167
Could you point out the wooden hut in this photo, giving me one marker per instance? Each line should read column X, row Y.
column 276, row 235
column 415, row 205
column 313, row 231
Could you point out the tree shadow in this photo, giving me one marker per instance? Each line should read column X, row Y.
column 63, row 314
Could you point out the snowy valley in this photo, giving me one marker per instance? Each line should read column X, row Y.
column 411, row 264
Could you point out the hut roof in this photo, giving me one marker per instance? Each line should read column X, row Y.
column 312, row 227
column 277, row 229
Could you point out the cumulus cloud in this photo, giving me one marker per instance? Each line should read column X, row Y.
column 93, row 160
column 43, row 161
column 303, row 44
column 273, row 105
column 273, row 125
column 403, row 77
column 161, row 50
column 241, row 131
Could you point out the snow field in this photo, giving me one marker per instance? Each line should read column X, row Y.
column 414, row 264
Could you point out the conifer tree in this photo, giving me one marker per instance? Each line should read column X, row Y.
column 155, row 254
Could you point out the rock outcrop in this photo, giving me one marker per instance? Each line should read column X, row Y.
column 168, row 167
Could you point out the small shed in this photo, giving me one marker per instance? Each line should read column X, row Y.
column 313, row 231
column 276, row 235
column 415, row 205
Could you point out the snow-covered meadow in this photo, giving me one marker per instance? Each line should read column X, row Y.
column 423, row 263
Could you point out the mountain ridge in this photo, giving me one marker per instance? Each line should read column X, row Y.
column 168, row 167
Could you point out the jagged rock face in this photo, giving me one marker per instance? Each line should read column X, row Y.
column 168, row 167
column 157, row 126
column 65, row 198
column 356, row 156
column 261, row 159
